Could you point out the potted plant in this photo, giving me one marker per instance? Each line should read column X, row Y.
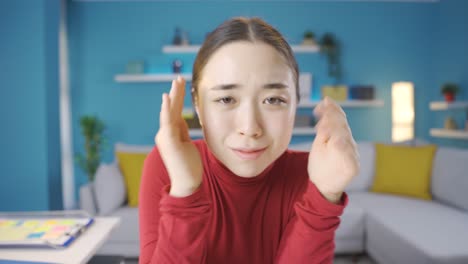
column 309, row 38
column 449, row 90
column 92, row 129
column 330, row 48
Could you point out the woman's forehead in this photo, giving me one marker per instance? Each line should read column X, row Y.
column 246, row 63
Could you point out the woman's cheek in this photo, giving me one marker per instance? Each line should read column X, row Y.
column 278, row 122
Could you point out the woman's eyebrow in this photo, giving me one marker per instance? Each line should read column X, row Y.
column 234, row 86
column 275, row 86
column 225, row 87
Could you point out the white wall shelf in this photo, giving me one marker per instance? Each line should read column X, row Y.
column 348, row 103
column 195, row 48
column 297, row 131
column 164, row 77
column 449, row 133
column 445, row 106
column 196, row 132
column 304, row 131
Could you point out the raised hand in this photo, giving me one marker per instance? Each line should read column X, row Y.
column 333, row 158
column 179, row 154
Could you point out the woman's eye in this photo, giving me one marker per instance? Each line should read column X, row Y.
column 226, row 100
column 275, row 101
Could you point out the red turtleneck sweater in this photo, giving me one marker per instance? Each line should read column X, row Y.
column 278, row 216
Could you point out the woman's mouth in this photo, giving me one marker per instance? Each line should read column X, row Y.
column 249, row 154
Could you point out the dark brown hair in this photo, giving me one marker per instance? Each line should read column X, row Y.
column 246, row 29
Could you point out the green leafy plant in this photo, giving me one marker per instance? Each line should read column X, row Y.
column 449, row 88
column 330, row 48
column 92, row 129
column 309, row 34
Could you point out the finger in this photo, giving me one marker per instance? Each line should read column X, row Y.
column 177, row 95
column 323, row 133
column 164, row 115
column 184, row 132
column 318, row 110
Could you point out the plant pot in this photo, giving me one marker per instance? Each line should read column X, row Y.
column 309, row 42
column 449, row 97
column 87, row 198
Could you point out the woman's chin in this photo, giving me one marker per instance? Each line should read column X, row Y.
column 248, row 171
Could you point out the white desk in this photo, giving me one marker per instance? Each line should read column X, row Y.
column 80, row 251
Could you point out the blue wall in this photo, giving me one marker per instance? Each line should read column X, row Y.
column 29, row 138
column 381, row 43
column 450, row 62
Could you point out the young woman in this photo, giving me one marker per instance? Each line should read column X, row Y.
column 239, row 195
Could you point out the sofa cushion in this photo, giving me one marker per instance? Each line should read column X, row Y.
column 109, row 188
column 404, row 170
column 363, row 181
column 131, row 166
column 128, row 230
column 130, row 158
column 450, row 177
column 413, row 230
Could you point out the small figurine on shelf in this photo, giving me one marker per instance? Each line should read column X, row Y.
column 449, row 90
column 185, row 40
column 177, row 40
column 450, row 123
column 309, row 38
column 177, row 66
column 180, row 37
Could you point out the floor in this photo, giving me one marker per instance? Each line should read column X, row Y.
column 341, row 259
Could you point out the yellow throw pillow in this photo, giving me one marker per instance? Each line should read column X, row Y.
column 131, row 165
column 404, row 170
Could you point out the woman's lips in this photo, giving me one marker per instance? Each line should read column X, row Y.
column 249, row 154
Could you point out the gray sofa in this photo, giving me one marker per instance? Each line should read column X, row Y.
column 390, row 228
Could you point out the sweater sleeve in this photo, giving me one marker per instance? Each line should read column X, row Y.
column 309, row 234
column 172, row 230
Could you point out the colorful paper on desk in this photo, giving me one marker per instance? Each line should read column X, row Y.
column 5, row 261
column 55, row 232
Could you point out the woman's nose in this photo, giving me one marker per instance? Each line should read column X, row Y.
column 248, row 123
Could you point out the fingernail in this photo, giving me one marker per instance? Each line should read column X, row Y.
column 179, row 78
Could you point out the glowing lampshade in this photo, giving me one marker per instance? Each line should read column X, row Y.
column 402, row 111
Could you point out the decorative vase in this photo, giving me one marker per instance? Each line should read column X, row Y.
column 449, row 97
column 87, row 198
column 450, row 123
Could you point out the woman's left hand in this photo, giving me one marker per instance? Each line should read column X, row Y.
column 333, row 158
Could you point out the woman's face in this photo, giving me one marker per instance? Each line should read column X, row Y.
column 247, row 104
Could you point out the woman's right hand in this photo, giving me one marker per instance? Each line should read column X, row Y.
column 180, row 156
